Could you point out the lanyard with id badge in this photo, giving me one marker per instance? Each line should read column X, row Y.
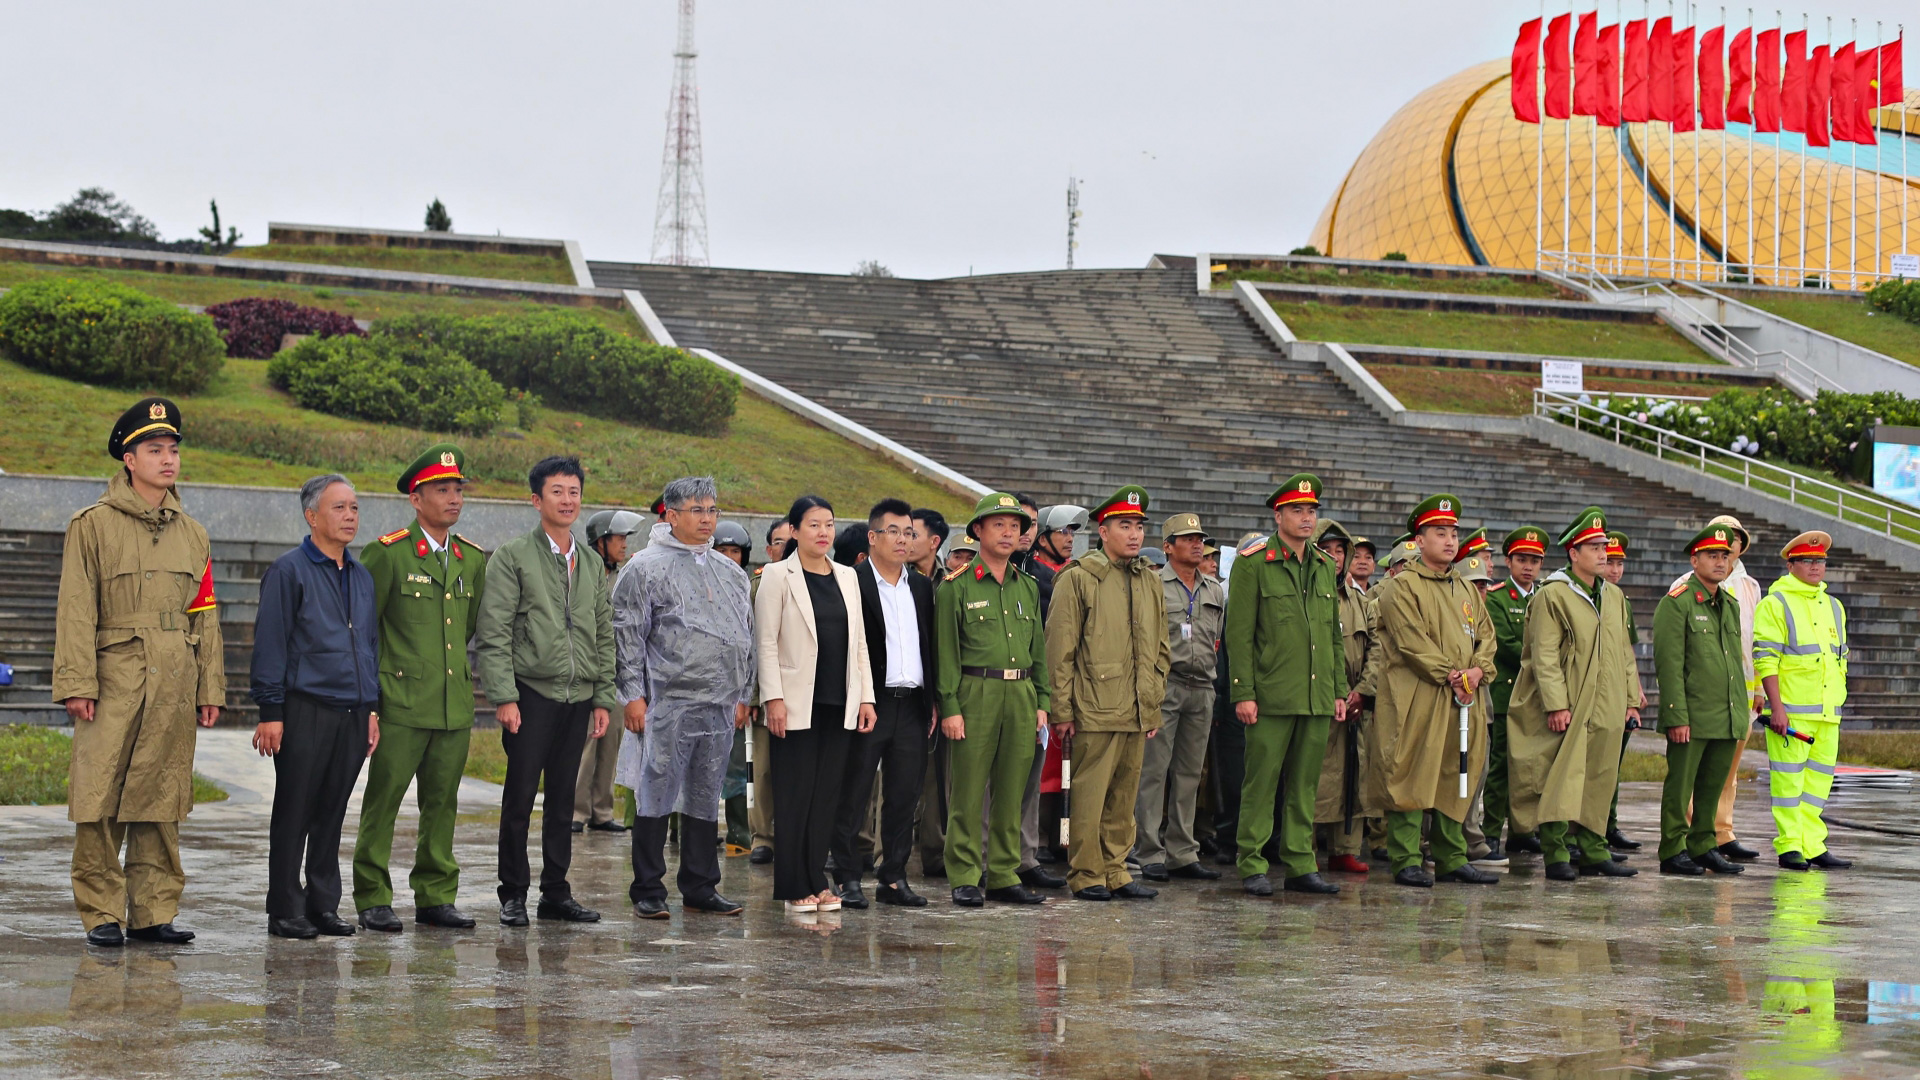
column 1193, row 597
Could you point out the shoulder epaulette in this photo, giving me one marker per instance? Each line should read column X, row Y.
column 952, row 574
column 394, row 537
column 1253, row 547
column 469, row 543
column 1678, row 589
column 758, row 570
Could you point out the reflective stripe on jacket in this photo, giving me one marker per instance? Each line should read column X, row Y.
column 1800, row 635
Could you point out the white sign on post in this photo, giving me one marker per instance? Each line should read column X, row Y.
column 1904, row 266
column 1562, row 376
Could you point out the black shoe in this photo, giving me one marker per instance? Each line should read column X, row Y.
column 1133, row 890
column 160, row 934
column 1035, row 878
column 1683, row 865
column 1793, row 860
column 1047, row 855
column 969, row 896
column 651, row 908
column 444, row 916
column 1208, row 848
column 1618, row 841
column 106, row 936
column 568, row 910
column 851, row 896
column 1257, row 885
column 607, row 826
column 1195, row 871
column 381, row 917
column 1608, row 868
column 899, row 894
column 716, row 904
column 1413, row 876
column 1470, row 874
column 1616, row 856
column 1093, row 892
column 1154, row 871
column 513, row 913
column 1738, row 852
column 1496, row 856
column 760, row 856
column 1718, row 863
column 1529, row 844
column 938, row 870
column 1379, row 854
column 579, row 827
column 1561, row 871
column 295, row 927
column 1826, row 860
column 1226, row 857
column 1015, row 894
column 1310, row 883
column 331, row 925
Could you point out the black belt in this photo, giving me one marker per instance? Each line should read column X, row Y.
column 898, row 691
column 1008, row 674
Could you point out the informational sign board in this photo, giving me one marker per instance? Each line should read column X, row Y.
column 1904, row 266
column 1896, row 462
column 1562, row 376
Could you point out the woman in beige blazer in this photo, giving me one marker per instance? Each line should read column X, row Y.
column 816, row 688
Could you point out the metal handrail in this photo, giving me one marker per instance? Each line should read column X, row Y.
column 1833, row 500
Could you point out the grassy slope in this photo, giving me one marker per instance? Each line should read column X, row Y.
column 1846, row 318
column 1495, row 285
column 359, row 303
column 1502, row 393
column 551, row 269
column 1492, row 333
column 34, row 764
column 767, row 458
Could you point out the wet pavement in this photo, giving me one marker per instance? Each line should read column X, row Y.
column 1766, row 975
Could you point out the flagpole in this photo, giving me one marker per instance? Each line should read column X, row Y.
column 1566, row 149
column 1806, row 27
column 1904, row 183
column 1620, row 128
column 1693, row 79
column 1673, row 171
column 1879, row 168
column 1779, row 257
column 1830, row 159
column 1646, row 139
column 1593, row 150
column 1726, row 163
column 1853, row 164
column 1753, row 76
column 1539, row 146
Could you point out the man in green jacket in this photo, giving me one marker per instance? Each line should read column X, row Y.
column 1108, row 654
column 1288, row 680
column 1703, row 701
column 1525, row 551
column 427, row 584
column 546, row 662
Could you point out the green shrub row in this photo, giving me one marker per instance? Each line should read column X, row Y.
column 390, row 380
column 109, row 334
column 1825, row 433
column 1897, row 296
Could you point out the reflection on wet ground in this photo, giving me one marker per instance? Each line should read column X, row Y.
column 1768, row 975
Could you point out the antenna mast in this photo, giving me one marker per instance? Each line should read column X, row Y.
column 1073, row 217
column 680, row 220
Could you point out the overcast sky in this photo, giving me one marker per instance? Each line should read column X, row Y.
column 935, row 138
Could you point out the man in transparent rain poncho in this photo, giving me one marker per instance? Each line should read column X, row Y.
column 683, row 638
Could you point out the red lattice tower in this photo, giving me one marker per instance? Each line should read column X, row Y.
column 680, row 220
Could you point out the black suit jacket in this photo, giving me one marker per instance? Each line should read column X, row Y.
column 922, row 588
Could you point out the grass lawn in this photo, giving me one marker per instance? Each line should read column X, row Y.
column 1886, row 749
column 373, row 304
column 242, row 431
column 34, row 762
column 551, row 269
column 1492, row 285
column 1501, row 393
column 1491, row 333
column 1846, row 317
column 486, row 760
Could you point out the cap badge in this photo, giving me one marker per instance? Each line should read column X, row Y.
column 1006, row 500
column 447, row 458
column 156, row 411
column 1719, row 534
column 1133, row 498
column 1306, row 486
column 1599, row 523
column 1445, row 505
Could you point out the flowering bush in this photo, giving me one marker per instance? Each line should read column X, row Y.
column 253, row 326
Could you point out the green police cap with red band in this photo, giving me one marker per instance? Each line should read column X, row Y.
column 1441, row 509
column 1589, row 525
column 1475, row 543
column 441, row 461
column 1300, row 489
column 1129, row 500
column 1711, row 538
column 1526, row 540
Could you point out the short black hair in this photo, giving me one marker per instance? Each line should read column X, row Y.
column 850, row 545
column 1027, row 501
column 933, row 521
column 547, row 468
column 886, row 507
column 772, row 525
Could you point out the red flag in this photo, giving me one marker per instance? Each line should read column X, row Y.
column 1766, row 82
column 1840, row 103
column 1526, row 79
column 1891, row 86
column 1866, row 83
column 1586, row 42
column 1682, row 63
column 1636, row 74
column 1819, row 94
column 1740, row 78
column 1607, row 71
column 1796, row 84
column 1559, row 68
column 1713, row 80
column 1660, row 78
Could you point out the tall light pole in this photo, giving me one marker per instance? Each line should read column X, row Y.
column 680, row 220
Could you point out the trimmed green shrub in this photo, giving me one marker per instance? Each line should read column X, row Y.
column 1305, row 249
column 390, row 380
column 109, row 334
column 571, row 362
column 1898, row 296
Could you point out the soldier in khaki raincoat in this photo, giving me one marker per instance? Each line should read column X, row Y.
column 1340, row 820
column 137, row 658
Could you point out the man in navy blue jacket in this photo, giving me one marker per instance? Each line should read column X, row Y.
column 316, row 679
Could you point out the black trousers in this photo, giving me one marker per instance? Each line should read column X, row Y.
column 1228, row 747
column 699, row 858
column 321, row 751
column 548, row 745
column 897, row 746
column 807, row 770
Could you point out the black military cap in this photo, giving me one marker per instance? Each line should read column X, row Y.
column 149, row 418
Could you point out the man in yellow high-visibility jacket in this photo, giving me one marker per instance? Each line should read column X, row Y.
column 1800, row 658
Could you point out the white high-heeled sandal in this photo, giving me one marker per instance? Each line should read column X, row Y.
column 802, row 907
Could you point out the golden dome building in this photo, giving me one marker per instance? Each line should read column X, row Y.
column 1453, row 177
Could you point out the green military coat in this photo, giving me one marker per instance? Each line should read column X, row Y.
column 1284, row 650
column 1432, row 622
column 1507, row 607
column 983, row 623
column 1697, row 660
column 428, row 606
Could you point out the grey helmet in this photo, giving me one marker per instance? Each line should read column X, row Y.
column 732, row 534
column 1062, row 516
column 605, row 523
column 1154, row 556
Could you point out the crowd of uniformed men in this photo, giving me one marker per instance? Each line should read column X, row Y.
column 1123, row 710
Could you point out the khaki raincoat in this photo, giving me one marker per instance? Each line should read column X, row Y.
column 1107, row 645
column 1431, row 623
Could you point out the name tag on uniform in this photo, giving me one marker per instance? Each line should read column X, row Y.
column 976, row 604
column 1702, row 618
column 421, row 578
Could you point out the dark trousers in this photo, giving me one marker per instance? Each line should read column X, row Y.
column 897, row 746
column 807, row 770
column 699, row 875
column 321, row 750
column 551, row 737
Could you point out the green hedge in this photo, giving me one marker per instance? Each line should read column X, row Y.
column 1771, row 423
column 569, row 361
column 1899, row 296
column 390, row 380
column 109, row 334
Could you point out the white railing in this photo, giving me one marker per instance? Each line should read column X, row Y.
column 1778, row 275
column 1866, row 510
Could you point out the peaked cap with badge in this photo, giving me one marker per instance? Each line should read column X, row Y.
column 1441, row 509
column 1588, row 525
column 1525, row 540
column 1301, row 488
column 149, row 418
column 1129, row 501
column 1813, row 544
column 1182, row 525
column 441, row 461
column 1617, row 544
column 1474, row 543
column 1712, row 538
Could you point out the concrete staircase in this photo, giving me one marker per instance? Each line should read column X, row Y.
column 1066, row 385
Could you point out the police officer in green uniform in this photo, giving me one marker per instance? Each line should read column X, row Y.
column 990, row 682
column 1704, row 703
column 1525, row 551
column 1288, row 677
column 427, row 583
